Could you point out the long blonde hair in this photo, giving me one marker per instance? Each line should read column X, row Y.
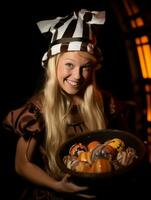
column 56, row 106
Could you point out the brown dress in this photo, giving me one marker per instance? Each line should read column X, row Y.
column 27, row 121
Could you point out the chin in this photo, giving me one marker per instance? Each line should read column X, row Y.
column 72, row 92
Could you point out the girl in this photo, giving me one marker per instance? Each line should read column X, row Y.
column 68, row 104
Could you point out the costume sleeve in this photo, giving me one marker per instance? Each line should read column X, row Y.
column 25, row 121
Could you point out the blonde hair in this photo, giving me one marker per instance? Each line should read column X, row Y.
column 56, row 107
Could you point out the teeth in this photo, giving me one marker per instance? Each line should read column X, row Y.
column 73, row 82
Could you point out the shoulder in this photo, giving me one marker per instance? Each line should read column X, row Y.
column 26, row 120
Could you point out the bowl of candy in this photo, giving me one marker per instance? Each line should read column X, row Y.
column 101, row 154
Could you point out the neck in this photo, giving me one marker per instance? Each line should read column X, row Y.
column 76, row 100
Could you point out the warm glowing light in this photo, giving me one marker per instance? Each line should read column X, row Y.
column 142, row 61
column 147, row 57
column 137, row 41
column 133, row 24
column 144, row 39
column 148, row 88
column 144, row 54
column 148, row 101
column 139, row 21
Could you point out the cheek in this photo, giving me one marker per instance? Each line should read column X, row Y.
column 62, row 74
column 59, row 72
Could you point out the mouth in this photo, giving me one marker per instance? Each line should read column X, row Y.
column 73, row 83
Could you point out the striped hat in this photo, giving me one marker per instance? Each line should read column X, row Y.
column 72, row 33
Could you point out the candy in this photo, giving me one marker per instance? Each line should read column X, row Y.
column 116, row 143
column 76, row 149
column 92, row 145
column 97, row 157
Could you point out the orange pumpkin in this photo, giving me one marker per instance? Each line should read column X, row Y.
column 82, row 167
column 85, row 156
column 101, row 166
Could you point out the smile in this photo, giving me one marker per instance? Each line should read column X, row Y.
column 73, row 83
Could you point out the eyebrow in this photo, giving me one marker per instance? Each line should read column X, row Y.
column 89, row 62
column 69, row 59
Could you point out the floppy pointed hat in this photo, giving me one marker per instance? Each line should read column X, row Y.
column 73, row 32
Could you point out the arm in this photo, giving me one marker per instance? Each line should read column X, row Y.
column 24, row 166
column 27, row 122
column 27, row 169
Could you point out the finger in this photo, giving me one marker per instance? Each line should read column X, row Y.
column 78, row 188
column 71, row 186
column 86, row 196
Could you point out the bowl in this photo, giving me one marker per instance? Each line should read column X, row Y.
column 103, row 135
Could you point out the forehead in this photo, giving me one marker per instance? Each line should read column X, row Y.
column 78, row 56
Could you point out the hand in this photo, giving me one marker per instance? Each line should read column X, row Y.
column 67, row 186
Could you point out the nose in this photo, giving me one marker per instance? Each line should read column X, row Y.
column 77, row 73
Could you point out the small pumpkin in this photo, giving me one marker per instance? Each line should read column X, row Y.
column 83, row 167
column 85, row 156
column 101, row 166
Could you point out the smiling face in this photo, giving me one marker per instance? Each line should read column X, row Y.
column 74, row 71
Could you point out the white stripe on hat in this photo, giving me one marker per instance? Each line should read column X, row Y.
column 45, row 25
column 97, row 17
column 62, row 29
column 74, row 46
column 79, row 29
column 55, row 49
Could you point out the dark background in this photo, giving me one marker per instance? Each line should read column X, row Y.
column 22, row 47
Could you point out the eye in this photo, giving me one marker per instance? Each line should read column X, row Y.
column 87, row 67
column 69, row 65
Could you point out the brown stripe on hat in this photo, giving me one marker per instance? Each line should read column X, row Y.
column 86, row 30
column 83, row 46
column 59, row 24
column 70, row 29
column 87, row 16
column 68, row 34
column 63, row 20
